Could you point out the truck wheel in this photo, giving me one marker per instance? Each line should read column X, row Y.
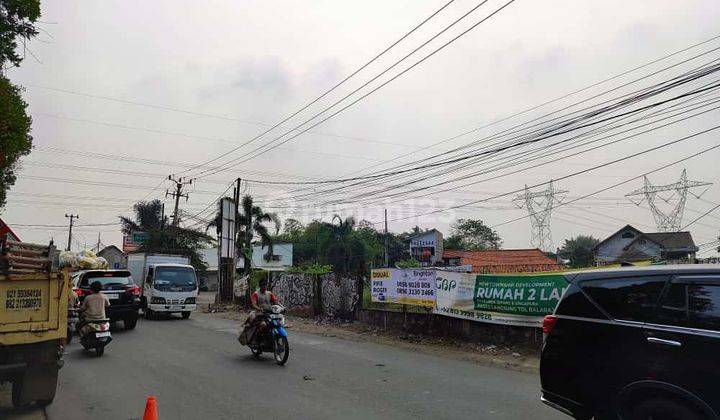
column 130, row 323
column 186, row 314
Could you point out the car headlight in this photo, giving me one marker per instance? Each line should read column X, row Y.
column 190, row 301
column 157, row 299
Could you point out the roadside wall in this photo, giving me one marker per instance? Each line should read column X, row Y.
column 340, row 297
column 444, row 326
column 297, row 292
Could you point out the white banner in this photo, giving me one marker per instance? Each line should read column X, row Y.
column 404, row 286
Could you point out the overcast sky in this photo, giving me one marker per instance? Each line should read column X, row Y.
column 246, row 64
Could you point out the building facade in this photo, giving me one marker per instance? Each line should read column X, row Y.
column 427, row 247
column 629, row 244
column 116, row 259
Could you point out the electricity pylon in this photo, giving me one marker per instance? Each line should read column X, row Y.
column 667, row 221
column 539, row 205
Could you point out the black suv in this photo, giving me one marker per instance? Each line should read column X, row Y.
column 119, row 287
column 635, row 343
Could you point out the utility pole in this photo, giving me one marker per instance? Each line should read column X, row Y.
column 72, row 218
column 98, row 243
column 177, row 193
column 387, row 256
column 162, row 216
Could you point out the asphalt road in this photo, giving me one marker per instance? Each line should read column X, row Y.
column 197, row 369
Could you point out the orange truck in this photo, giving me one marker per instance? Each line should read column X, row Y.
column 33, row 320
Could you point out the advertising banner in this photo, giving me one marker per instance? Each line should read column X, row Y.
column 501, row 299
column 403, row 286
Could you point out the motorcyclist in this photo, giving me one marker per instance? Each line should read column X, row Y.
column 93, row 307
column 261, row 301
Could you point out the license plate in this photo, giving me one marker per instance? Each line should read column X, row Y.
column 176, row 307
column 112, row 297
column 102, row 334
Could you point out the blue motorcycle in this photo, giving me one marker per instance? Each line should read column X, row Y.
column 273, row 338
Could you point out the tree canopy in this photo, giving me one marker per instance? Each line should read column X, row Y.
column 15, row 138
column 17, row 24
column 472, row 235
column 579, row 250
column 164, row 238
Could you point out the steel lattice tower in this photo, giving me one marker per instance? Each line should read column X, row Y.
column 539, row 205
column 667, row 221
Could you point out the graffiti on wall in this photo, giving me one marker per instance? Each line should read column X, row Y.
column 296, row 291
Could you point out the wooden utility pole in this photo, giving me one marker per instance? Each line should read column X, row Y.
column 387, row 256
column 72, row 218
column 177, row 193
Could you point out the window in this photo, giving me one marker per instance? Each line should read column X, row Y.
column 628, row 235
column 574, row 303
column 673, row 307
column 691, row 305
column 704, row 306
column 631, row 299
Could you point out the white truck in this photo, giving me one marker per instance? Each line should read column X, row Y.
column 168, row 283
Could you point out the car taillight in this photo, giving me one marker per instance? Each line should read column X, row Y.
column 134, row 290
column 103, row 327
column 549, row 323
column 78, row 291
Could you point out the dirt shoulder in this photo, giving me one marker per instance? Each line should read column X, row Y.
column 519, row 359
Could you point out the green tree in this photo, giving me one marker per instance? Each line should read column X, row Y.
column 579, row 250
column 251, row 220
column 17, row 23
column 164, row 238
column 472, row 235
column 15, row 138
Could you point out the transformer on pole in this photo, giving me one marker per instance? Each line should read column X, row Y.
column 539, row 206
column 667, row 221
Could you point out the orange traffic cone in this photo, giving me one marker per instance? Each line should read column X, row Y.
column 150, row 409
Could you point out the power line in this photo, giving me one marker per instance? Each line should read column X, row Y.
column 589, row 170
column 235, row 162
column 306, row 106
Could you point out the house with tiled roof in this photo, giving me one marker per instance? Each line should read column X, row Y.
column 629, row 244
column 5, row 230
column 502, row 260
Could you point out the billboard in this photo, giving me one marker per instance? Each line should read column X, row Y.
column 132, row 242
column 521, row 300
column 227, row 230
column 404, row 286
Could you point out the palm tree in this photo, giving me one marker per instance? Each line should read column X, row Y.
column 148, row 217
column 163, row 238
column 250, row 220
column 250, row 223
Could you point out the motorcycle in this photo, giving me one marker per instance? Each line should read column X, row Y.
column 273, row 338
column 73, row 320
column 95, row 334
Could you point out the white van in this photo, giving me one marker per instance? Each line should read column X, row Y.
column 169, row 283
